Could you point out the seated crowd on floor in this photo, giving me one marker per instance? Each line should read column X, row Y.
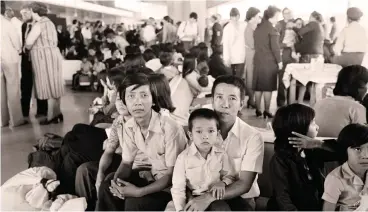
column 148, row 148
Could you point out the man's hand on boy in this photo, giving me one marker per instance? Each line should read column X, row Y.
column 304, row 142
column 218, row 190
column 200, row 203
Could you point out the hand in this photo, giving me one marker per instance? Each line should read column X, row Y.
column 100, row 178
column 280, row 65
column 200, row 203
column 129, row 189
column 115, row 190
column 304, row 142
column 93, row 110
column 146, row 175
column 218, row 190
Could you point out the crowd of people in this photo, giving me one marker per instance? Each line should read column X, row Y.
column 147, row 148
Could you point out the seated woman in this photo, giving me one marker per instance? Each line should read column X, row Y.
column 192, row 76
column 346, row 186
column 334, row 113
column 295, row 169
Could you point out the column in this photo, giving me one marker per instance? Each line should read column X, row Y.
column 180, row 10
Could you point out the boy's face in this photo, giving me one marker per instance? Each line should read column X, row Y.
column 204, row 133
column 84, row 60
column 358, row 157
column 226, row 101
column 139, row 101
column 91, row 52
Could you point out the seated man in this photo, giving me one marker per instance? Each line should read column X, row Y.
column 243, row 144
column 85, row 70
column 158, row 137
column 203, row 167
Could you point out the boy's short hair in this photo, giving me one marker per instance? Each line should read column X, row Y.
column 148, row 55
column 193, row 15
column 203, row 113
column 203, row 81
column 234, row 12
column 231, row 80
column 353, row 135
column 166, row 58
column 138, row 79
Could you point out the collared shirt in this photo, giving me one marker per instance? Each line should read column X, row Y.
column 245, row 147
column 334, row 113
column 188, row 31
column 352, row 39
column 10, row 42
column 164, row 142
column 343, row 187
column 149, row 33
column 199, row 174
column 116, row 137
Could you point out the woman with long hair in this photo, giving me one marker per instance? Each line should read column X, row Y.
column 46, row 61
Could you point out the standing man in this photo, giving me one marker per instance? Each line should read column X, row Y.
column 286, row 59
column 11, row 49
column 149, row 33
column 188, row 31
column 216, row 40
column 87, row 33
column 26, row 82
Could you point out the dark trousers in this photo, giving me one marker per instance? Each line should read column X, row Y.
column 26, row 84
column 86, row 177
column 238, row 70
column 187, row 45
column 151, row 202
column 282, row 91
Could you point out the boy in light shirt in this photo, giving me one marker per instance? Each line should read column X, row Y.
column 203, row 167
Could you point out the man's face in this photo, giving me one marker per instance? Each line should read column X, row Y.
column 287, row 14
column 227, row 101
column 26, row 15
column 59, row 27
column 139, row 101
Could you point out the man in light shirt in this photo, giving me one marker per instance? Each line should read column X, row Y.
column 351, row 44
column 87, row 33
column 149, row 33
column 9, row 13
column 11, row 48
column 188, row 31
column 242, row 143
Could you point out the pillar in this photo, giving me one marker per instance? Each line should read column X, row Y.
column 180, row 10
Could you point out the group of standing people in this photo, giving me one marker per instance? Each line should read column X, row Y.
column 41, row 63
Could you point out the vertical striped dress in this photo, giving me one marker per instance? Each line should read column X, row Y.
column 47, row 62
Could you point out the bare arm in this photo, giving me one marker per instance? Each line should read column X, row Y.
column 105, row 160
column 241, row 186
column 158, row 185
column 124, row 171
column 327, row 206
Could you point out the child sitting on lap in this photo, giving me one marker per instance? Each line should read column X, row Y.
column 203, row 167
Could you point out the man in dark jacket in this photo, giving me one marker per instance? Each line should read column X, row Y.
column 216, row 32
column 27, row 74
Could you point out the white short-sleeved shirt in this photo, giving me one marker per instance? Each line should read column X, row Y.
column 245, row 147
column 344, row 188
column 164, row 142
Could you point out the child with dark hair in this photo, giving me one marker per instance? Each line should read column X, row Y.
column 168, row 69
column 115, row 60
column 202, row 67
column 295, row 168
column 346, row 186
column 156, row 50
column 152, row 61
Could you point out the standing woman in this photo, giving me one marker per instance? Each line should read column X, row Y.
column 253, row 18
column 267, row 60
column 233, row 43
column 46, row 61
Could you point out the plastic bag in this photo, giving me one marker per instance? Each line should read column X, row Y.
column 40, row 193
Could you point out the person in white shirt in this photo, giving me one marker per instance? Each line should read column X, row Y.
column 243, row 144
column 234, row 43
column 188, row 31
column 11, row 48
column 9, row 13
column 87, row 33
column 149, row 33
column 351, row 44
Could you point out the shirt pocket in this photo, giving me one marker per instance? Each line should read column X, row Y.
column 195, row 176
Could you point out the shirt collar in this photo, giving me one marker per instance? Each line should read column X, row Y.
column 235, row 129
column 193, row 150
column 347, row 173
column 154, row 124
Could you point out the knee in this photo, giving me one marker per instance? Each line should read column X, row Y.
column 219, row 205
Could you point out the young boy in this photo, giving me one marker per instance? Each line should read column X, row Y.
column 85, row 70
column 158, row 137
column 202, row 167
column 242, row 143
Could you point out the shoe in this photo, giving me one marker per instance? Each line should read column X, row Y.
column 57, row 119
column 40, row 115
column 60, row 117
column 20, row 124
column 267, row 115
column 258, row 113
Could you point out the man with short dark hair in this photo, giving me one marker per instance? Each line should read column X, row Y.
column 188, row 31
column 216, row 32
column 333, row 32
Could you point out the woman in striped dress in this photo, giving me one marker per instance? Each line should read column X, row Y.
column 47, row 62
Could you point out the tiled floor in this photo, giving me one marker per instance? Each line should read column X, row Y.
column 16, row 144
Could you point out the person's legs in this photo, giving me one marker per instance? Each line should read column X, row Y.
column 42, row 107
column 85, row 181
column 26, row 84
column 281, row 90
column 152, row 202
column 239, row 69
column 219, row 205
column 4, row 101
column 258, row 95
column 106, row 201
column 12, row 73
column 267, row 100
column 241, row 204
